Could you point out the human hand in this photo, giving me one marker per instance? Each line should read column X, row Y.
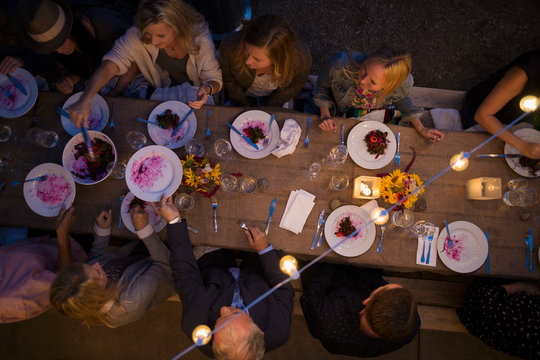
column 104, row 219
column 531, row 150
column 202, row 97
column 64, row 221
column 256, row 238
column 79, row 111
column 65, row 85
column 10, row 64
column 139, row 217
column 433, row 135
column 165, row 208
column 327, row 124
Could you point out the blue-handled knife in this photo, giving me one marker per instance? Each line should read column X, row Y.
column 244, row 137
column 182, row 122
column 321, row 217
column 531, row 262
column 88, row 144
column 17, row 84
column 487, row 259
column 397, row 157
column 272, row 207
column 63, row 112
column 149, row 122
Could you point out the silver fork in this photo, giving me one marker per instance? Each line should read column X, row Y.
column 120, row 212
column 383, row 227
column 111, row 125
column 306, row 140
column 267, row 137
column 214, row 208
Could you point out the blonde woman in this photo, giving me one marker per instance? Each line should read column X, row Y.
column 170, row 44
column 115, row 288
column 355, row 84
column 264, row 61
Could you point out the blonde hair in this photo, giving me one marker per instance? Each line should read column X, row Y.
column 76, row 295
column 185, row 21
column 273, row 34
column 397, row 67
column 249, row 348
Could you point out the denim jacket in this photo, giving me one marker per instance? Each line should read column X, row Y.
column 336, row 89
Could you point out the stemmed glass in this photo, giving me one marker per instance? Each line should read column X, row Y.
column 136, row 139
column 223, row 149
column 5, row 133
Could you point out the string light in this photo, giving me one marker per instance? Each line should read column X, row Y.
column 379, row 216
column 289, row 266
column 201, row 335
column 459, row 162
column 528, row 103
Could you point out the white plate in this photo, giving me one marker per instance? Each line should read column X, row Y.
column 70, row 163
column 46, row 198
column 99, row 114
column 250, row 118
column 358, row 148
column 152, row 171
column 530, row 135
column 22, row 103
column 470, row 247
column 154, row 218
column 356, row 245
column 162, row 136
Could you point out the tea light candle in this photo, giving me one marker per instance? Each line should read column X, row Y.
column 366, row 187
column 483, row 189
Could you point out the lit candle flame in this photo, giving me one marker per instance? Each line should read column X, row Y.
column 201, row 335
column 379, row 216
column 528, row 103
column 289, row 266
column 459, row 162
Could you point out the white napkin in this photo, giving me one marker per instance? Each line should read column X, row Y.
column 376, row 115
column 296, row 212
column 289, row 136
column 446, row 119
column 184, row 93
column 432, row 261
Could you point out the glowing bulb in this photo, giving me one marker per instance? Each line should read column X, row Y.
column 528, row 103
column 459, row 162
column 201, row 335
column 289, row 266
column 379, row 216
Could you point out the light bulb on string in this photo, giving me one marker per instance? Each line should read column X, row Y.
column 289, row 266
column 379, row 216
column 201, row 335
column 459, row 162
column 528, row 103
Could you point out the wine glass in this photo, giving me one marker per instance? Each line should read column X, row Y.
column 136, row 139
column 339, row 182
column 403, row 218
column 248, row 184
column 229, row 183
column 184, row 202
column 5, row 133
column 223, row 149
column 195, row 147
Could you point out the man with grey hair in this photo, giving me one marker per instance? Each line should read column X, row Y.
column 214, row 289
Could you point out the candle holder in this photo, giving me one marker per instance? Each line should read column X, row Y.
column 483, row 188
column 366, row 187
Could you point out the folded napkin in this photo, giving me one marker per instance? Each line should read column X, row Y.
column 296, row 212
column 446, row 119
column 289, row 136
column 432, row 261
column 184, row 93
column 376, row 115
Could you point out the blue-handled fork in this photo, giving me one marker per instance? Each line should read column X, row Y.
column 306, row 140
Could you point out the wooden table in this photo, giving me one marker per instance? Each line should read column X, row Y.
column 445, row 197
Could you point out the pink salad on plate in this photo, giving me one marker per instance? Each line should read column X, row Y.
column 17, row 100
column 53, row 191
column 254, row 130
column 148, row 170
column 347, row 224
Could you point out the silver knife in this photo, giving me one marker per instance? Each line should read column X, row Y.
column 17, row 84
column 272, row 207
column 322, row 232
column 498, row 155
column 321, row 217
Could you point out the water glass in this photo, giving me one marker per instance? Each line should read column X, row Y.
column 195, row 147
column 5, row 133
column 184, row 202
column 248, row 184
column 312, row 171
column 520, row 197
column 337, row 156
column 43, row 138
column 403, row 218
column 117, row 169
column 339, row 182
column 422, row 227
column 136, row 139
column 223, row 149
column 229, row 183
column 516, row 184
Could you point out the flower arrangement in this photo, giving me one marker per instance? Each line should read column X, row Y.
column 397, row 185
column 201, row 175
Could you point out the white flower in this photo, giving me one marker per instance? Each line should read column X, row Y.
column 207, row 169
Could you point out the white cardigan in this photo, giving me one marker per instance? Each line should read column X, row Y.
column 200, row 68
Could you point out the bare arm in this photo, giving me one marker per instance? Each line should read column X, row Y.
column 124, row 80
column 63, row 226
column 80, row 110
column 506, row 89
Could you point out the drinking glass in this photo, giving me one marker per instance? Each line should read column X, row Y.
column 5, row 133
column 117, row 169
column 339, row 182
column 184, row 202
column 516, row 183
column 223, row 149
column 337, row 156
column 312, row 171
column 248, row 184
column 422, row 227
column 195, row 147
column 43, row 138
column 229, row 183
column 520, row 197
column 403, row 218
column 136, row 139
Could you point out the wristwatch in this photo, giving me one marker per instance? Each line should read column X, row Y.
column 175, row 220
column 211, row 88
